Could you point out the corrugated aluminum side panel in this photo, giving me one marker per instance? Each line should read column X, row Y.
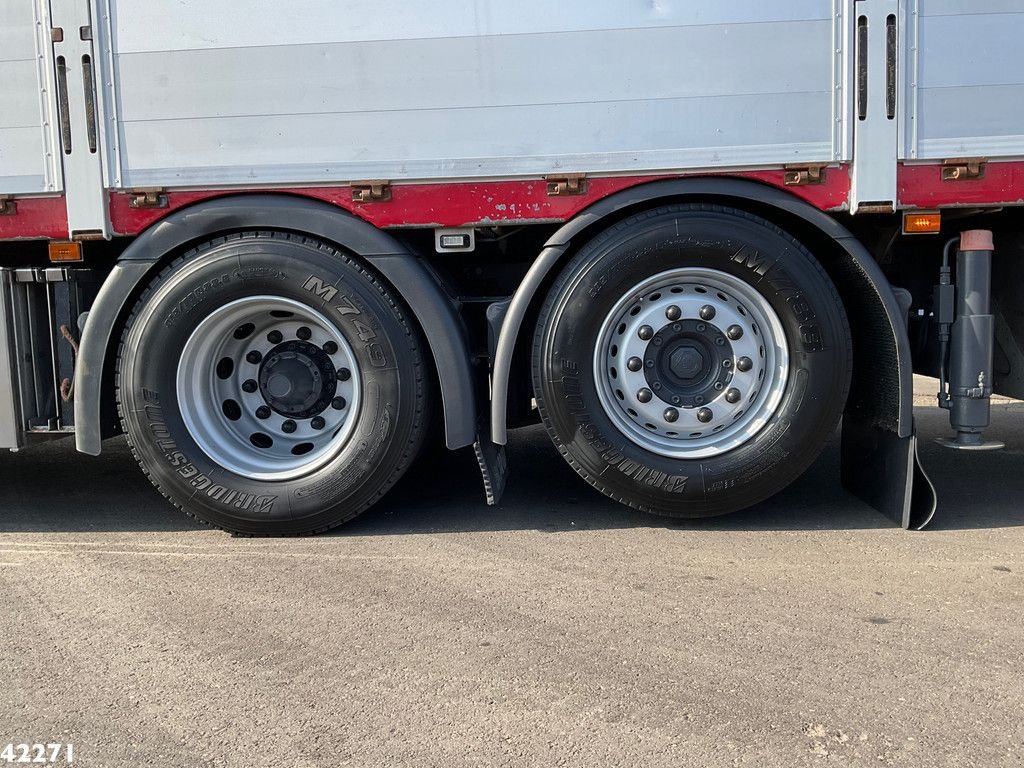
column 316, row 91
column 963, row 78
column 29, row 161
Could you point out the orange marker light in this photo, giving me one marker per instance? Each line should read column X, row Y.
column 922, row 223
column 61, row 252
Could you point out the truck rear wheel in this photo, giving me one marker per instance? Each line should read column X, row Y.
column 269, row 384
column 692, row 360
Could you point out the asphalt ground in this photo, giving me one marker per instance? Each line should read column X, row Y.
column 556, row 629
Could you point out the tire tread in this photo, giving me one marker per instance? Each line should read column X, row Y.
column 421, row 419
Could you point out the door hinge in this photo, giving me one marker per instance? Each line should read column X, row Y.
column 7, row 206
column 962, row 169
column 802, row 175
column 152, row 197
column 569, row 184
column 377, row 191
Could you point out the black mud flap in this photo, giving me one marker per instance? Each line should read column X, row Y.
column 493, row 467
column 883, row 469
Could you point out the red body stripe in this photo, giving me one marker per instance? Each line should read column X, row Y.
column 507, row 202
column 921, row 186
column 37, row 218
column 472, row 203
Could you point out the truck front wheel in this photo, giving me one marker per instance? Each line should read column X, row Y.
column 692, row 360
column 270, row 384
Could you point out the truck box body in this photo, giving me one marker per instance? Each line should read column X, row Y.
column 319, row 94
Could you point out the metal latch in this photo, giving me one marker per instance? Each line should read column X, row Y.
column 378, row 191
column 151, row 197
column 7, row 206
column 961, row 169
column 36, row 275
column 570, row 184
column 802, row 175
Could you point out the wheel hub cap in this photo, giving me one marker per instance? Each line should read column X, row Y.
column 686, row 363
column 298, row 379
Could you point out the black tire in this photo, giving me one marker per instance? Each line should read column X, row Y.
column 390, row 424
column 649, row 243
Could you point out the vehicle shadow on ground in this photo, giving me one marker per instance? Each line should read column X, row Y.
column 51, row 488
column 544, row 493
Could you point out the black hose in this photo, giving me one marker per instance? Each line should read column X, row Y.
column 944, row 279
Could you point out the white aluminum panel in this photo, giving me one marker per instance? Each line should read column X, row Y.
column 163, row 25
column 964, row 79
column 321, row 91
column 17, row 41
column 28, row 160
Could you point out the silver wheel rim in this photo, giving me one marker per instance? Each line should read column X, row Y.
column 268, row 388
column 713, row 363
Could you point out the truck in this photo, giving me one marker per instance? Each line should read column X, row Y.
column 276, row 245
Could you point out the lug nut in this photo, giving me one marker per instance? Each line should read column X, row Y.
column 671, row 414
column 254, row 357
column 734, row 332
column 644, row 395
column 263, row 412
column 344, row 374
column 673, row 312
column 645, row 333
column 275, row 337
column 744, row 364
column 330, row 347
column 339, row 403
column 732, row 395
column 634, row 364
column 304, row 333
column 317, row 422
column 249, row 386
column 704, row 415
column 707, row 312
column 288, row 427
